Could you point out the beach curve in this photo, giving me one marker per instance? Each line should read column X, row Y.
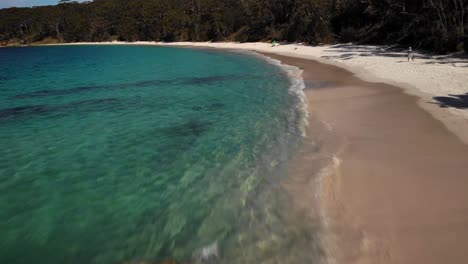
column 393, row 170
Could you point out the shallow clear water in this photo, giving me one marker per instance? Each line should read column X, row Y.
column 120, row 154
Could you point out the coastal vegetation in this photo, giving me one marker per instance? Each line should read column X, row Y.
column 437, row 25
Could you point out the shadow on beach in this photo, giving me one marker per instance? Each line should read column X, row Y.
column 459, row 101
column 350, row 51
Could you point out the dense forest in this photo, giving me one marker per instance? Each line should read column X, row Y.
column 437, row 25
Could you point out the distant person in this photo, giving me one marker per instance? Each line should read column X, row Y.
column 273, row 43
column 410, row 54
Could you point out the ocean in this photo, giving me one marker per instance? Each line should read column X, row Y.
column 140, row 154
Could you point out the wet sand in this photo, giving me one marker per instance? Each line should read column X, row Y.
column 393, row 183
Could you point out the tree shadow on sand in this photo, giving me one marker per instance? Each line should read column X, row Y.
column 459, row 101
column 350, row 51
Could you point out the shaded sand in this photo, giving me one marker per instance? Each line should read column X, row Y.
column 397, row 189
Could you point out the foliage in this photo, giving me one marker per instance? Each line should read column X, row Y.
column 439, row 25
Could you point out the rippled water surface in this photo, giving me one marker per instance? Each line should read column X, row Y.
column 122, row 154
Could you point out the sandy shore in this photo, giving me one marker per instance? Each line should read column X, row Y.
column 394, row 181
column 395, row 187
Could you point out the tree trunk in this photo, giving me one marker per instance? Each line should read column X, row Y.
column 464, row 33
column 196, row 24
column 465, row 37
column 57, row 30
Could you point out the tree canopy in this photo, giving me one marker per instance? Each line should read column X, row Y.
column 438, row 25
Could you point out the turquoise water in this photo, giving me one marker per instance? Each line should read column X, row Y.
column 122, row 154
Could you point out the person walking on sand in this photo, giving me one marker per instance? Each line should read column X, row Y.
column 410, row 54
column 273, row 43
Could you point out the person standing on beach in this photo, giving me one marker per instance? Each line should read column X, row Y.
column 410, row 54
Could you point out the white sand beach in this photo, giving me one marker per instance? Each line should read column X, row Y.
column 394, row 189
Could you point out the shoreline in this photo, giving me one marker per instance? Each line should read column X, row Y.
column 393, row 180
column 373, row 227
column 391, row 184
